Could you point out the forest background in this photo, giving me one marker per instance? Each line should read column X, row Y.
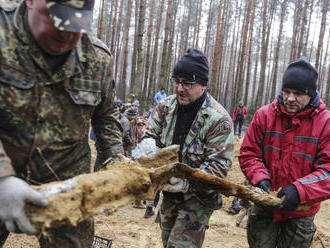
column 249, row 44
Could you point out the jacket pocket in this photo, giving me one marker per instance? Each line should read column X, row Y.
column 12, row 76
column 195, row 154
column 85, row 92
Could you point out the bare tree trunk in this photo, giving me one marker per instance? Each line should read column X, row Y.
column 263, row 55
column 248, row 70
column 229, row 92
column 137, row 84
column 308, row 28
column 118, row 34
column 135, row 48
column 302, row 28
column 295, row 33
column 255, row 105
column 109, row 10
column 208, row 27
column 221, row 84
column 125, row 65
column 217, row 50
column 169, row 60
column 321, row 36
column 114, row 25
column 197, row 29
column 100, row 23
column 148, row 53
column 323, row 69
column 155, row 50
column 236, row 50
column 186, row 36
column 242, row 54
column 277, row 52
column 163, row 76
column 327, row 90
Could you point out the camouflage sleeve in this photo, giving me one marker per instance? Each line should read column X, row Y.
column 155, row 124
column 108, row 130
column 5, row 164
column 219, row 145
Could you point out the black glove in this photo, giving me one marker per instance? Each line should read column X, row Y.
column 265, row 185
column 291, row 200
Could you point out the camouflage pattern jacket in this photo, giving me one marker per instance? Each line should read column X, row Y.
column 44, row 117
column 127, row 134
column 208, row 146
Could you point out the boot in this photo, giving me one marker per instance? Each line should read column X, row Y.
column 149, row 212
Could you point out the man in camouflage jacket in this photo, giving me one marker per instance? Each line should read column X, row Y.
column 203, row 129
column 54, row 81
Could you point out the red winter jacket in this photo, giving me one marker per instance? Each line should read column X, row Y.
column 244, row 112
column 290, row 149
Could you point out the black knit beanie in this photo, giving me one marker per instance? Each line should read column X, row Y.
column 194, row 66
column 301, row 75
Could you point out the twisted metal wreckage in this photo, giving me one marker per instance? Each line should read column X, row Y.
column 125, row 181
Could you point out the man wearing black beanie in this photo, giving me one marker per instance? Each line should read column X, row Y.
column 287, row 149
column 193, row 119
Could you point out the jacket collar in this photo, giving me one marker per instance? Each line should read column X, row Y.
column 197, row 124
column 313, row 107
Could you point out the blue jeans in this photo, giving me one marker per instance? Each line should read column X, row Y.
column 240, row 124
column 92, row 135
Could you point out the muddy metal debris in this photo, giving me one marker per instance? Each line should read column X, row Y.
column 125, row 181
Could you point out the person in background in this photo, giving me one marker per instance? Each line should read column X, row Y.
column 127, row 128
column 202, row 128
column 55, row 79
column 149, row 113
column 138, row 129
column 131, row 98
column 120, row 105
column 130, row 114
column 150, row 110
column 287, row 148
column 136, row 105
column 159, row 96
column 239, row 115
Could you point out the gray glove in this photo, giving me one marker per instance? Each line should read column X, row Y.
column 176, row 185
column 14, row 193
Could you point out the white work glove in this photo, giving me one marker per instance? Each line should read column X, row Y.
column 176, row 185
column 14, row 193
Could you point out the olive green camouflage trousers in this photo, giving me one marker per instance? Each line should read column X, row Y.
column 291, row 233
column 65, row 237
column 183, row 222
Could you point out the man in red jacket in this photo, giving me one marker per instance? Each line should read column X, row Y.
column 287, row 148
column 239, row 115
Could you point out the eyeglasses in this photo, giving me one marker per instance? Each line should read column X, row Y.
column 185, row 84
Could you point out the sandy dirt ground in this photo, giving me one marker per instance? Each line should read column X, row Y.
column 128, row 229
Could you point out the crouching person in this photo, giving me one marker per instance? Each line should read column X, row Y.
column 193, row 119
